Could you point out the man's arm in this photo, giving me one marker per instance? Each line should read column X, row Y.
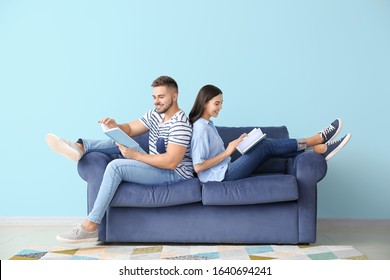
column 168, row 160
column 134, row 128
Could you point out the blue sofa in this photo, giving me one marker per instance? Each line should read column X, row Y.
column 276, row 205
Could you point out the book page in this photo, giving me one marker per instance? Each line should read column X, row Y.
column 250, row 140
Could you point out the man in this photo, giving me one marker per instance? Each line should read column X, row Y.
column 168, row 160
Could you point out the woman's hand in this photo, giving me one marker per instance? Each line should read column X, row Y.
column 233, row 145
column 110, row 123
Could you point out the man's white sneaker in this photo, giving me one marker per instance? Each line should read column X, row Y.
column 64, row 147
column 78, row 235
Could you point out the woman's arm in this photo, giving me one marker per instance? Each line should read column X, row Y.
column 208, row 163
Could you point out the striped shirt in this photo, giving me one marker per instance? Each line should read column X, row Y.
column 177, row 130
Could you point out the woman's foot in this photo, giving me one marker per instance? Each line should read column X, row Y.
column 331, row 131
column 324, row 136
column 333, row 147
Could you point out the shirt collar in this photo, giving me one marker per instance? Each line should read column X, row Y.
column 210, row 122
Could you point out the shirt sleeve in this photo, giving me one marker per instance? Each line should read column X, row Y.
column 146, row 119
column 200, row 146
column 180, row 134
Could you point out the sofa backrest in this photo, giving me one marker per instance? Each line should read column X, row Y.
column 143, row 141
column 229, row 134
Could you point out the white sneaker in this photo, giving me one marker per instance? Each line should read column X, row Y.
column 64, row 147
column 78, row 235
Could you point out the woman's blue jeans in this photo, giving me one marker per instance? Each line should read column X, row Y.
column 122, row 169
column 246, row 164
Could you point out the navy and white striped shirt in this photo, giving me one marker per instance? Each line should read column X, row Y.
column 177, row 130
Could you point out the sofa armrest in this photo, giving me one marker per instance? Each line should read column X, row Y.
column 308, row 166
column 92, row 165
column 308, row 169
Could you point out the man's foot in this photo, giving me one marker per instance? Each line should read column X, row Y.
column 335, row 146
column 64, row 147
column 331, row 131
column 78, row 235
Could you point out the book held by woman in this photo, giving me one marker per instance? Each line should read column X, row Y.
column 253, row 137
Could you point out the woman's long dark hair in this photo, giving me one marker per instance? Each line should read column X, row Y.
column 206, row 93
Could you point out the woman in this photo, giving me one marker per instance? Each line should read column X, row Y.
column 212, row 161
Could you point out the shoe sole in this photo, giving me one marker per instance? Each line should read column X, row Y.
column 339, row 147
column 59, row 146
column 72, row 241
column 337, row 131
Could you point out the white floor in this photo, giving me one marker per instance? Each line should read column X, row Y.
column 371, row 237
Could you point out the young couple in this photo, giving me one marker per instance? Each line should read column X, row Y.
column 177, row 147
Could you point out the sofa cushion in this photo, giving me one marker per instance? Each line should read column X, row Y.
column 253, row 190
column 137, row 195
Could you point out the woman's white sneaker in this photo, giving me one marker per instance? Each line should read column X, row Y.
column 64, row 147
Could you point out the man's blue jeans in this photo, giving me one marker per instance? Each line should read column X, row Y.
column 246, row 164
column 122, row 169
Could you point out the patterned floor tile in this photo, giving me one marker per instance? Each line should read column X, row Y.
column 147, row 250
column 323, row 256
column 236, row 254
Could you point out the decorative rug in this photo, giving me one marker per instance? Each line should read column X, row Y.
column 193, row 252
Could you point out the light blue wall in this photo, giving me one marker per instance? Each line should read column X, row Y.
column 66, row 64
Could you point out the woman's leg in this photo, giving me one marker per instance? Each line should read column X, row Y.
column 250, row 161
column 320, row 143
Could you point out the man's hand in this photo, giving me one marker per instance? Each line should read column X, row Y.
column 129, row 153
column 110, row 123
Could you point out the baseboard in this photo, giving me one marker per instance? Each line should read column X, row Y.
column 345, row 223
column 39, row 221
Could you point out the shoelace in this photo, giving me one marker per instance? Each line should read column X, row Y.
column 334, row 142
column 327, row 130
column 76, row 230
column 72, row 145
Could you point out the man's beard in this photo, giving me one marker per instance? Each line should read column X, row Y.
column 163, row 109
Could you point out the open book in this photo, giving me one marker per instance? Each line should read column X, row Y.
column 253, row 137
column 119, row 136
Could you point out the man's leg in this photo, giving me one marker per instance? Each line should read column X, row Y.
column 127, row 170
column 75, row 150
column 116, row 171
column 106, row 146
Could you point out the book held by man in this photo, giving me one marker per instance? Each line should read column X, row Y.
column 119, row 136
column 252, row 138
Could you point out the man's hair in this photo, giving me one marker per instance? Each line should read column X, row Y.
column 166, row 81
